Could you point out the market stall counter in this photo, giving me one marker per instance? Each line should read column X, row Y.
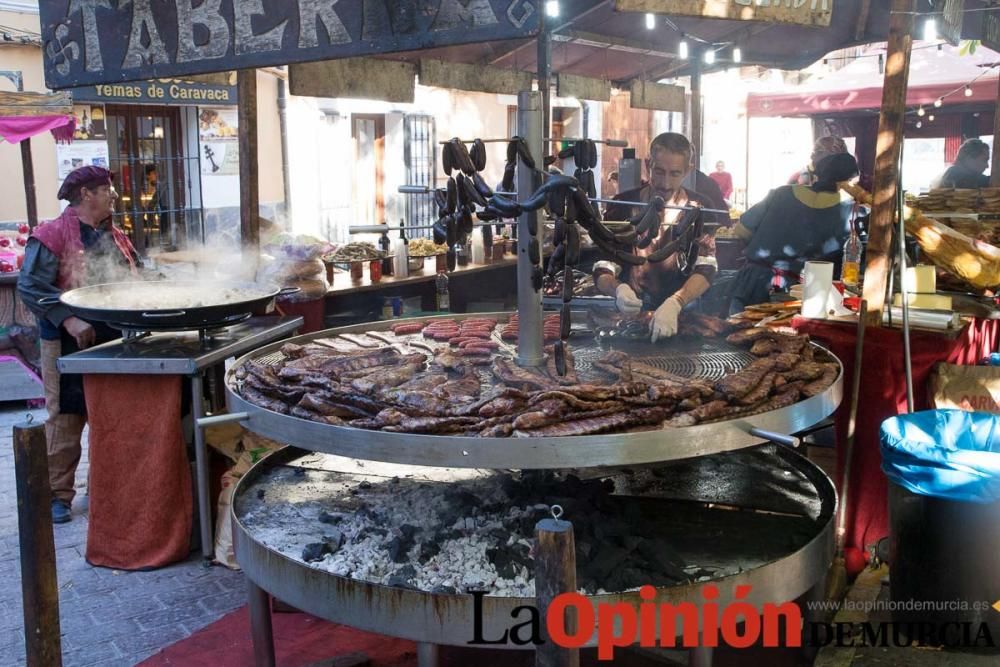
column 139, row 379
column 883, row 395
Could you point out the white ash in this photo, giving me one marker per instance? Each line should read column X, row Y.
column 370, row 516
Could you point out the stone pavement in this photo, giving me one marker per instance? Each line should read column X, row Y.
column 108, row 617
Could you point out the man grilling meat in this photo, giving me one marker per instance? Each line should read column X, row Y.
column 666, row 286
column 80, row 247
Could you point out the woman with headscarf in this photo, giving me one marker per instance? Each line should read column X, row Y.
column 792, row 225
column 823, row 147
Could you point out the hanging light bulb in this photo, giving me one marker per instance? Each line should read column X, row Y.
column 710, row 56
column 938, row 102
column 920, row 111
column 737, row 55
column 919, row 125
column 940, row 51
column 682, row 49
column 552, row 8
column 968, row 91
column 930, row 30
column 650, row 21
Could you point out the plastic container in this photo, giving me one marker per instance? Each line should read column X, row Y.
column 944, row 515
column 375, row 270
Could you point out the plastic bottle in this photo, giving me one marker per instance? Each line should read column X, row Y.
column 441, row 283
column 850, row 273
column 400, row 253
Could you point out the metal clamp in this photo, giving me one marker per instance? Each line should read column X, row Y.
column 205, row 422
column 779, row 438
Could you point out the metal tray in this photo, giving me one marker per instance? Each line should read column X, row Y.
column 777, row 492
column 693, row 358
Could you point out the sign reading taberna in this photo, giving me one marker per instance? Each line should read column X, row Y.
column 113, row 41
column 161, row 91
column 802, row 12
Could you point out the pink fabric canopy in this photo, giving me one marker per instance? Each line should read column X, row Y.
column 16, row 129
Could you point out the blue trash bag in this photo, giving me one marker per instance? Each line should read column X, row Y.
column 949, row 454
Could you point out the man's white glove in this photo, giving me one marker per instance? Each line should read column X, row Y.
column 626, row 301
column 664, row 324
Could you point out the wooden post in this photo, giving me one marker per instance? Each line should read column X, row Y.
column 887, row 149
column 39, row 585
column 696, row 113
column 555, row 573
column 30, row 198
column 994, row 167
column 249, row 174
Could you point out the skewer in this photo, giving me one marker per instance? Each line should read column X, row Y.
column 614, row 143
column 426, row 189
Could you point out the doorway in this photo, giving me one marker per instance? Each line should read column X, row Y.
column 158, row 206
column 368, row 133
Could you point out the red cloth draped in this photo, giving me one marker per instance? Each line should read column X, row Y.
column 883, row 395
column 140, row 481
column 18, row 128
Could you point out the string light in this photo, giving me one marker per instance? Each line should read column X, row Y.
column 650, row 21
column 552, row 8
column 737, row 54
column 938, row 102
column 710, row 56
column 968, row 91
column 919, row 125
column 682, row 49
column 920, row 111
column 930, row 119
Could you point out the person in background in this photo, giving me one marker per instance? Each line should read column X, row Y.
column 972, row 160
column 664, row 287
column 78, row 248
column 711, row 194
column 723, row 179
column 792, row 225
column 612, row 187
column 823, row 147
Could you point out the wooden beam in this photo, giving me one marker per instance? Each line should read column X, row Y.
column 696, row 121
column 994, row 166
column 584, row 88
column 246, row 94
column 35, row 104
column 861, row 26
column 28, row 169
column 367, row 78
column 481, row 78
column 887, row 150
column 649, row 95
column 802, row 13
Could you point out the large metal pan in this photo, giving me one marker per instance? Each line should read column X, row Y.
column 174, row 304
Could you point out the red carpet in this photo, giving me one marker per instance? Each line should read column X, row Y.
column 299, row 639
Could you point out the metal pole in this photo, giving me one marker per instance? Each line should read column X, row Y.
column 845, row 479
column 201, row 466
column 260, row 625
column 907, row 358
column 530, row 351
column 428, row 655
column 544, row 84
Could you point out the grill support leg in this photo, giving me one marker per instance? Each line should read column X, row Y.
column 700, row 657
column 260, row 625
column 201, row 465
column 428, row 654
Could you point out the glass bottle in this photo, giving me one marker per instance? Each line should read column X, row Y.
column 850, row 272
column 441, row 283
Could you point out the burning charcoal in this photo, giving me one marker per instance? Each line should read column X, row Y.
column 300, row 471
column 397, row 549
column 427, row 551
column 316, row 551
column 326, row 517
column 462, row 498
column 260, row 494
column 501, row 559
column 443, row 589
column 661, row 558
column 335, row 539
column 605, row 561
column 365, row 485
column 403, row 577
column 394, row 480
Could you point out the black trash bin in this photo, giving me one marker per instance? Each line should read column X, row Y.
column 944, row 516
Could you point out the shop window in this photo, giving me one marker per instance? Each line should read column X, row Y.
column 159, row 203
column 420, row 155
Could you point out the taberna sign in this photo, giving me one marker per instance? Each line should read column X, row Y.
column 162, row 91
column 112, row 41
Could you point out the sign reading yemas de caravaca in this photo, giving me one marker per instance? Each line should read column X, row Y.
column 161, row 91
column 113, row 41
column 803, row 12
